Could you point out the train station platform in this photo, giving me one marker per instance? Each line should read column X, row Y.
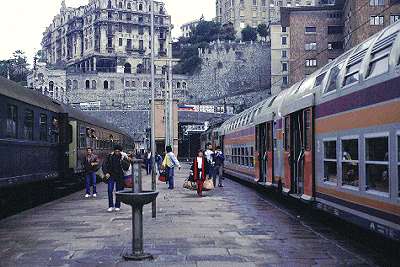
column 230, row 226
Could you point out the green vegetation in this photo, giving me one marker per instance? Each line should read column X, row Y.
column 187, row 48
column 16, row 67
column 249, row 34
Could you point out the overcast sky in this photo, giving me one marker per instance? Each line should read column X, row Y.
column 22, row 22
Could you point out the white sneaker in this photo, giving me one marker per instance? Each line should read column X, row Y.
column 110, row 209
column 94, row 195
column 117, row 209
column 87, row 195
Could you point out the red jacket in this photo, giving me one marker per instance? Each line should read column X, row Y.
column 196, row 171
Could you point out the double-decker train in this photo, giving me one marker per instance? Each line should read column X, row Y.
column 42, row 139
column 332, row 139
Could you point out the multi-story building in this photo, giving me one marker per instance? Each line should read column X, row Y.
column 187, row 28
column 364, row 18
column 280, row 52
column 275, row 7
column 316, row 37
column 242, row 13
column 101, row 53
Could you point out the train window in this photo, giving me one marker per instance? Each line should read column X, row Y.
column 246, row 158
column 12, row 121
column 319, row 79
column 379, row 62
column 82, row 137
column 330, row 161
column 377, row 163
column 269, row 136
column 43, row 127
column 242, row 156
column 252, row 156
column 308, row 129
column 352, row 75
column 333, row 77
column 398, row 164
column 350, row 174
column 28, row 124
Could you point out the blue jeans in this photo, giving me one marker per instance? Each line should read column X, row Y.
column 119, row 187
column 91, row 179
column 149, row 167
column 170, row 178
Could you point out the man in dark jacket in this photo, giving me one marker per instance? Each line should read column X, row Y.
column 90, row 164
column 218, row 158
column 115, row 175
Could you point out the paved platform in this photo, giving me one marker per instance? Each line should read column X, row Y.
column 232, row 226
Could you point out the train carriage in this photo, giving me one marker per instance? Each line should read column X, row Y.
column 333, row 139
column 42, row 139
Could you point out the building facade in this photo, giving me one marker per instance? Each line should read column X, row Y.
column 364, row 18
column 99, row 56
column 316, row 37
column 280, row 57
column 242, row 13
column 275, row 7
column 187, row 28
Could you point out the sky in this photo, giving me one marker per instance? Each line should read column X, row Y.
column 22, row 22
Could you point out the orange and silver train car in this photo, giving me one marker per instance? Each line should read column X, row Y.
column 333, row 139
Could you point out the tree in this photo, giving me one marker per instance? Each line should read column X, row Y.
column 16, row 67
column 262, row 30
column 249, row 34
column 228, row 32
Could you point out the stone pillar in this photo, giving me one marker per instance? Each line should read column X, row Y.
column 94, row 64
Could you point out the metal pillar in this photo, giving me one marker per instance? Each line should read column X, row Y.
column 153, row 112
column 166, row 109
column 171, row 93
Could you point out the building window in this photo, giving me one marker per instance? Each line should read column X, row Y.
column 127, row 84
column 311, row 46
column 184, row 85
column 335, row 45
column 75, row 84
column 350, row 168
column 129, row 6
column 43, row 127
column 120, row 4
column 335, row 29
column 12, row 121
column 284, row 40
column 284, row 29
column 69, row 84
column 120, row 42
column 129, row 43
column 330, row 161
column 284, row 53
column 377, row 163
column 105, row 85
column 284, row 66
column 311, row 30
column 28, row 124
column 112, row 85
column 110, row 42
column 376, row 20
column 376, row 2
column 127, row 68
column 144, row 84
column 285, row 80
column 87, row 84
column 394, row 18
column 140, row 7
column 311, row 62
column 94, row 85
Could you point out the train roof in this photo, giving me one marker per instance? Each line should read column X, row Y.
column 330, row 81
column 15, row 91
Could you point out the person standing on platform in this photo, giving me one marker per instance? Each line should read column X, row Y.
column 91, row 164
column 149, row 162
column 114, row 173
column 199, row 170
column 218, row 158
column 159, row 160
column 169, row 163
column 209, row 156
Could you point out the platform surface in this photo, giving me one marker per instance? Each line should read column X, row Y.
column 231, row 226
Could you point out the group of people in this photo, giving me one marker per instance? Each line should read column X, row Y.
column 208, row 165
column 117, row 169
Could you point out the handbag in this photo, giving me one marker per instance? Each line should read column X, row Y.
column 163, row 176
column 208, row 185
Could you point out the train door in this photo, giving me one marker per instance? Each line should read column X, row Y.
column 270, row 153
column 261, row 147
column 287, row 155
column 299, row 153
